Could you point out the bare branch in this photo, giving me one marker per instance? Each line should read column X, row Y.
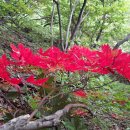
column 101, row 28
column 78, row 21
column 46, row 17
column 21, row 123
column 43, row 101
column 70, row 19
column 118, row 44
column 85, row 16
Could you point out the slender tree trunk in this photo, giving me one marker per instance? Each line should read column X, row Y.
column 60, row 23
column 52, row 18
column 101, row 28
column 78, row 21
column 69, row 24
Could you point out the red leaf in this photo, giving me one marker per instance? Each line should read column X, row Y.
column 37, row 82
column 80, row 93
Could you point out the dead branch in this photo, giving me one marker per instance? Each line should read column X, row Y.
column 22, row 123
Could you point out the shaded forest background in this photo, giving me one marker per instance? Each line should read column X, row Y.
column 44, row 23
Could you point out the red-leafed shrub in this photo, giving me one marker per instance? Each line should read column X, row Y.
column 78, row 58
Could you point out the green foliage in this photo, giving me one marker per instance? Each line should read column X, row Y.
column 15, row 8
column 32, row 20
column 74, row 124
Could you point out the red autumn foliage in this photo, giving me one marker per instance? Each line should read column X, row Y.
column 80, row 93
column 5, row 75
column 102, row 61
column 37, row 82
